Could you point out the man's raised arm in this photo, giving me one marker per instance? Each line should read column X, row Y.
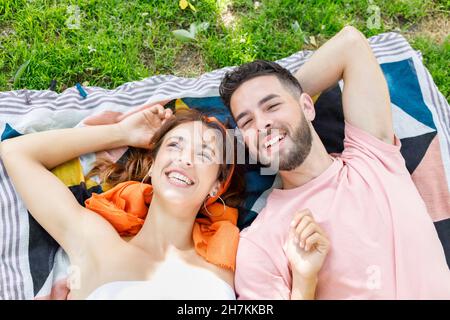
column 366, row 101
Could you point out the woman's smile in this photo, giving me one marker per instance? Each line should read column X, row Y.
column 179, row 178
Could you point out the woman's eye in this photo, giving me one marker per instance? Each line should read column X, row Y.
column 174, row 145
column 272, row 106
column 205, row 156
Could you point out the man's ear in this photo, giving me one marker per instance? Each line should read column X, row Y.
column 307, row 105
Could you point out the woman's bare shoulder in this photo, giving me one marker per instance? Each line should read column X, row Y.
column 225, row 274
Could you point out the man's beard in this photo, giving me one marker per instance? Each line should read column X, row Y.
column 302, row 141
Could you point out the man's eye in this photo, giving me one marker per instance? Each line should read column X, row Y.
column 246, row 123
column 272, row 106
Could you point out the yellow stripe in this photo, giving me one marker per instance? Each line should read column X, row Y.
column 314, row 99
column 70, row 172
column 179, row 104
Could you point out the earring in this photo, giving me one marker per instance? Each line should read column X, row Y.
column 147, row 175
column 209, row 213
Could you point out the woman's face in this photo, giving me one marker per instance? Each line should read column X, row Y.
column 187, row 164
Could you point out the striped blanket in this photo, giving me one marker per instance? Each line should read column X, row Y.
column 33, row 266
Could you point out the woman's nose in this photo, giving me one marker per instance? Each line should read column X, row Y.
column 185, row 159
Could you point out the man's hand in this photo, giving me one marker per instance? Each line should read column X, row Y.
column 307, row 246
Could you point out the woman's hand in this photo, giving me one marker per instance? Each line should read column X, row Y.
column 139, row 126
column 307, row 247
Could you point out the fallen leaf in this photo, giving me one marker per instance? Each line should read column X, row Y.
column 192, row 7
column 20, row 71
column 183, row 35
column 183, row 4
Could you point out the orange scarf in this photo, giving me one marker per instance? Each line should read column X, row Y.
column 125, row 206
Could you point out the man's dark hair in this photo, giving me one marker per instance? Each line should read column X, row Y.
column 234, row 78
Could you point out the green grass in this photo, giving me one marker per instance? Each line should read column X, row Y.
column 437, row 59
column 121, row 41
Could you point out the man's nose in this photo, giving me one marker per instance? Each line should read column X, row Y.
column 265, row 125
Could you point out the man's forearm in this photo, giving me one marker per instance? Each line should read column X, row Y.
column 328, row 63
column 365, row 97
column 53, row 147
column 303, row 289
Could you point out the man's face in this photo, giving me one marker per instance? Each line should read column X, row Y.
column 272, row 122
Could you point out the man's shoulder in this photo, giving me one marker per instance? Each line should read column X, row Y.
column 254, row 243
column 258, row 226
column 266, row 227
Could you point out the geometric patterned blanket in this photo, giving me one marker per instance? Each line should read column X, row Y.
column 33, row 266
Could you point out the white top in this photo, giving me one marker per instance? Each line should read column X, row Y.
column 175, row 280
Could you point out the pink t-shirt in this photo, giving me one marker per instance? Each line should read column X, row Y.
column 383, row 242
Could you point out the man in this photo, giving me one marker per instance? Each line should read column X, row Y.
column 383, row 242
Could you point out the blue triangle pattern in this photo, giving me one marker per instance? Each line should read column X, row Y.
column 405, row 91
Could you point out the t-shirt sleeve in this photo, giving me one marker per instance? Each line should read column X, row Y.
column 361, row 145
column 256, row 276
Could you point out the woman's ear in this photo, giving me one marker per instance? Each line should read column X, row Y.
column 307, row 105
column 215, row 189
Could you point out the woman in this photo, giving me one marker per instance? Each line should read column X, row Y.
column 186, row 167
column 161, row 255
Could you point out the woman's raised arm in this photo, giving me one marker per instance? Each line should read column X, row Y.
column 29, row 158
